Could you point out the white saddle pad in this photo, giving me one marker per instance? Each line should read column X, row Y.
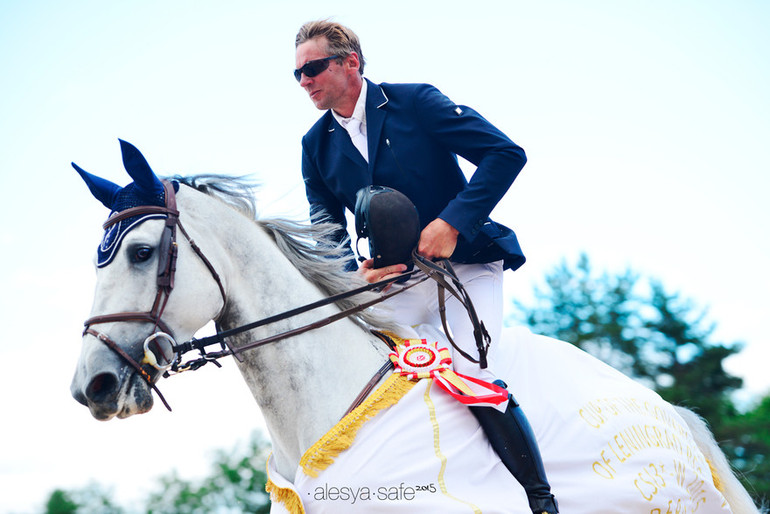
column 609, row 445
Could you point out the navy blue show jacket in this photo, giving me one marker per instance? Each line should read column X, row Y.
column 414, row 135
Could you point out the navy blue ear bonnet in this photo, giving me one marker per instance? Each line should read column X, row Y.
column 146, row 189
column 113, row 236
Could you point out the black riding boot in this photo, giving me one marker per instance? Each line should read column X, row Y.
column 512, row 438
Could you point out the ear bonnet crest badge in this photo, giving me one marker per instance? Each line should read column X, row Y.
column 114, row 234
column 146, row 189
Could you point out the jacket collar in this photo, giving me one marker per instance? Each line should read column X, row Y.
column 375, row 119
column 375, row 96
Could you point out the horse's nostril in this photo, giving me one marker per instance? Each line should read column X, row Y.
column 103, row 387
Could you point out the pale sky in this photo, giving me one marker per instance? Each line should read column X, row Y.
column 645, row 124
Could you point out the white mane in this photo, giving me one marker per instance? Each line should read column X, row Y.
column 309, row 247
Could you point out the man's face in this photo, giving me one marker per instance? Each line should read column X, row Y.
column 330, row 88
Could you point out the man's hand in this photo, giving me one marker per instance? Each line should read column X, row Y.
column 372, row 275
column 438, row 240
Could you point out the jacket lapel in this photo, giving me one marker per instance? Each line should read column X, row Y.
column 375, row 119
column 341, row 141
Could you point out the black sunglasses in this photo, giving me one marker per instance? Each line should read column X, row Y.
column 314, row 67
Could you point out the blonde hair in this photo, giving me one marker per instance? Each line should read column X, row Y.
column 340, row 40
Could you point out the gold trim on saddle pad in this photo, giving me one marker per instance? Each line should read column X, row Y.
column 285, row 495
column 322, row 454
column 414, row 360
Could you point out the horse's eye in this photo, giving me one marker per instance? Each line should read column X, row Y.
column 141, row 254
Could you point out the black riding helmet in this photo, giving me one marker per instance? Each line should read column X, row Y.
column 391, row 223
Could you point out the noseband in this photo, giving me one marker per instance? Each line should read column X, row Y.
column 167, row 255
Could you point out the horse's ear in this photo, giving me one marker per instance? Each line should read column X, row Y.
column 104, row 190
column 147, row 184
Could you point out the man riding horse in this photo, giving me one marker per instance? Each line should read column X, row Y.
column 408, row 137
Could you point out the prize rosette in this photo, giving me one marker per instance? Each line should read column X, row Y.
column 418, row 359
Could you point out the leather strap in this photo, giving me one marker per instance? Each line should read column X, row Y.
column 112, row 345
column 208, row 264
column 325, row 321
column 128, row 316
column 440, row 275
column 220, row 337
column 134, row 211
column 369, row 386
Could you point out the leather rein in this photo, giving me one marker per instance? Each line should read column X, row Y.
column 168, row 251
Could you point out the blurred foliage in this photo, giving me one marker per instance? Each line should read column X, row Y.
column 236, row 484
column 746, row 439
column 92, row 499
column 662, row 341
column 60, row 503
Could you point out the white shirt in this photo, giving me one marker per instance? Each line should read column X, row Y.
column 356, row 124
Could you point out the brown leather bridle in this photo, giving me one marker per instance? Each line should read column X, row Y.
column 167, row 255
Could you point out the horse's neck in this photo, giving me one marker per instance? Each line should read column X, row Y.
column 305, row 384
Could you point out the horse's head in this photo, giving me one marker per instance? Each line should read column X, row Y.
column 135, row 318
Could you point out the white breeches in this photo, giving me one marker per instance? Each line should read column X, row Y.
column 484, row 284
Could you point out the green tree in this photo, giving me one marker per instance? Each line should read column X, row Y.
column 649, row 334
column 596, row 313
column 60, row 502
column 92, row 499
column 688, row 366
column 747, row 441
column 235, row 485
